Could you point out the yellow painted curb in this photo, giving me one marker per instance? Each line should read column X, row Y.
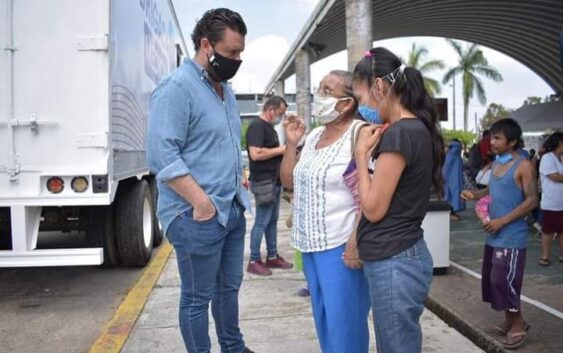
column 116, row 332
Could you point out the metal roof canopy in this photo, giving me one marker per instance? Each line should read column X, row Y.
column 540, row 117
column 526, row 30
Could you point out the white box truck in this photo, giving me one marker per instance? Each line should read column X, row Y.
column 75, row 83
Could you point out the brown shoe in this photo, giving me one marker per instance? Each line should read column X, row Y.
column 258, row 268
column 278, row 262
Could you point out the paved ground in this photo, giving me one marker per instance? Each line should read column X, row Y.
column 457, row 296
column 273, row 318
column 63, row 310
column 542, row 283
column 59, row 310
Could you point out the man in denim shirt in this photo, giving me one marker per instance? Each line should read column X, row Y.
column 194, row 150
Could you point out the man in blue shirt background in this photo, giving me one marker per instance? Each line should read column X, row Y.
column 194, row 150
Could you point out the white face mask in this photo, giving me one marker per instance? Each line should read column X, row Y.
column 325, row 108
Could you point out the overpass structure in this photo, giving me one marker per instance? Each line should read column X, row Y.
column 530, row 31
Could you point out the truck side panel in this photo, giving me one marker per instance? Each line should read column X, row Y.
column 143, row 37
column 61, row 99
column 83, row 72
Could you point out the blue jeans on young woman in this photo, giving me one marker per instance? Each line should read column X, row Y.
column 210, row 259
column 398, row 288
column 266, row 222
column 340, row 301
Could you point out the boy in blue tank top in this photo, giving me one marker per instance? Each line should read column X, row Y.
column 514, row 193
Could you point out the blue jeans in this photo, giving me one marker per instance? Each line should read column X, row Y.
column 266, row 222
column 340, row 301
column 210, row 259
column 398, row 288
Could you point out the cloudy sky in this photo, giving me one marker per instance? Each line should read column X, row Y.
column 273, row 25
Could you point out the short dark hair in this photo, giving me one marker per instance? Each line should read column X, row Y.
column 273, row 102
column 510, row 129
column 553, row 141
column 486, row 133
column 214, row 23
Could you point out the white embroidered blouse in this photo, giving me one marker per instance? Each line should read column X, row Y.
column 323, row 207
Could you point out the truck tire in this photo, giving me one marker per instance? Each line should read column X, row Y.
column 100, row 232
column 158, row 235
column 135, row 224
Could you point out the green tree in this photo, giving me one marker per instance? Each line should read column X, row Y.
column 494, row 112
column 538, row 100
column 532, row 100
column 549, row 99
column 466, row 137
column 416, row 60
column 243, row 129
column 472, row 64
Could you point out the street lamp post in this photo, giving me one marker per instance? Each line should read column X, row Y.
column 453, row 77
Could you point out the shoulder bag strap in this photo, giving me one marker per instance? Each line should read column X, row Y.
column 354, row 134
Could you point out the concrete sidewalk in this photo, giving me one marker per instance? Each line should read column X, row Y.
column 272, row 317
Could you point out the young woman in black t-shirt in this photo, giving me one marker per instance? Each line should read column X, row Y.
column 408, row 158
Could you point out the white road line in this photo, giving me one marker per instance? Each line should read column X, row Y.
column 466, row 231
column 524, row 298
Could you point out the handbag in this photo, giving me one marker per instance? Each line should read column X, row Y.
column 264, row 191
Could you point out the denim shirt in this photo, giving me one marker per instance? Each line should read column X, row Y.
column 193, row 132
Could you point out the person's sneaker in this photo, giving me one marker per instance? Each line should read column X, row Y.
column 303, row 292
column 258, row 268
column 247, row 350
column 278, row 262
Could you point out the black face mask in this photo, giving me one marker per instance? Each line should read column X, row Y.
column 223, row 68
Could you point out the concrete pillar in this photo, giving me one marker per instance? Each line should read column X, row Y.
column 303, row 85
column 358, row 30
column 279, row 88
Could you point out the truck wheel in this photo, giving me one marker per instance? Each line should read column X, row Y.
column 135, row 224
column 100, row 232
column 158, row 235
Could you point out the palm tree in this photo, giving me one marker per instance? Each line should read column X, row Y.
column 415, row 59
column 472, row 63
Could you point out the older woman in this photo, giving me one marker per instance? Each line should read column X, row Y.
column 324, row 217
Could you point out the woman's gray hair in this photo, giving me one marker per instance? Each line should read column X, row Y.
column 347, row 79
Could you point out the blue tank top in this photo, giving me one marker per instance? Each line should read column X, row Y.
column 506, row 196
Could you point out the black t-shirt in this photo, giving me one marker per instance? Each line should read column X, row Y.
column 400, row 227
column 262, row 134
